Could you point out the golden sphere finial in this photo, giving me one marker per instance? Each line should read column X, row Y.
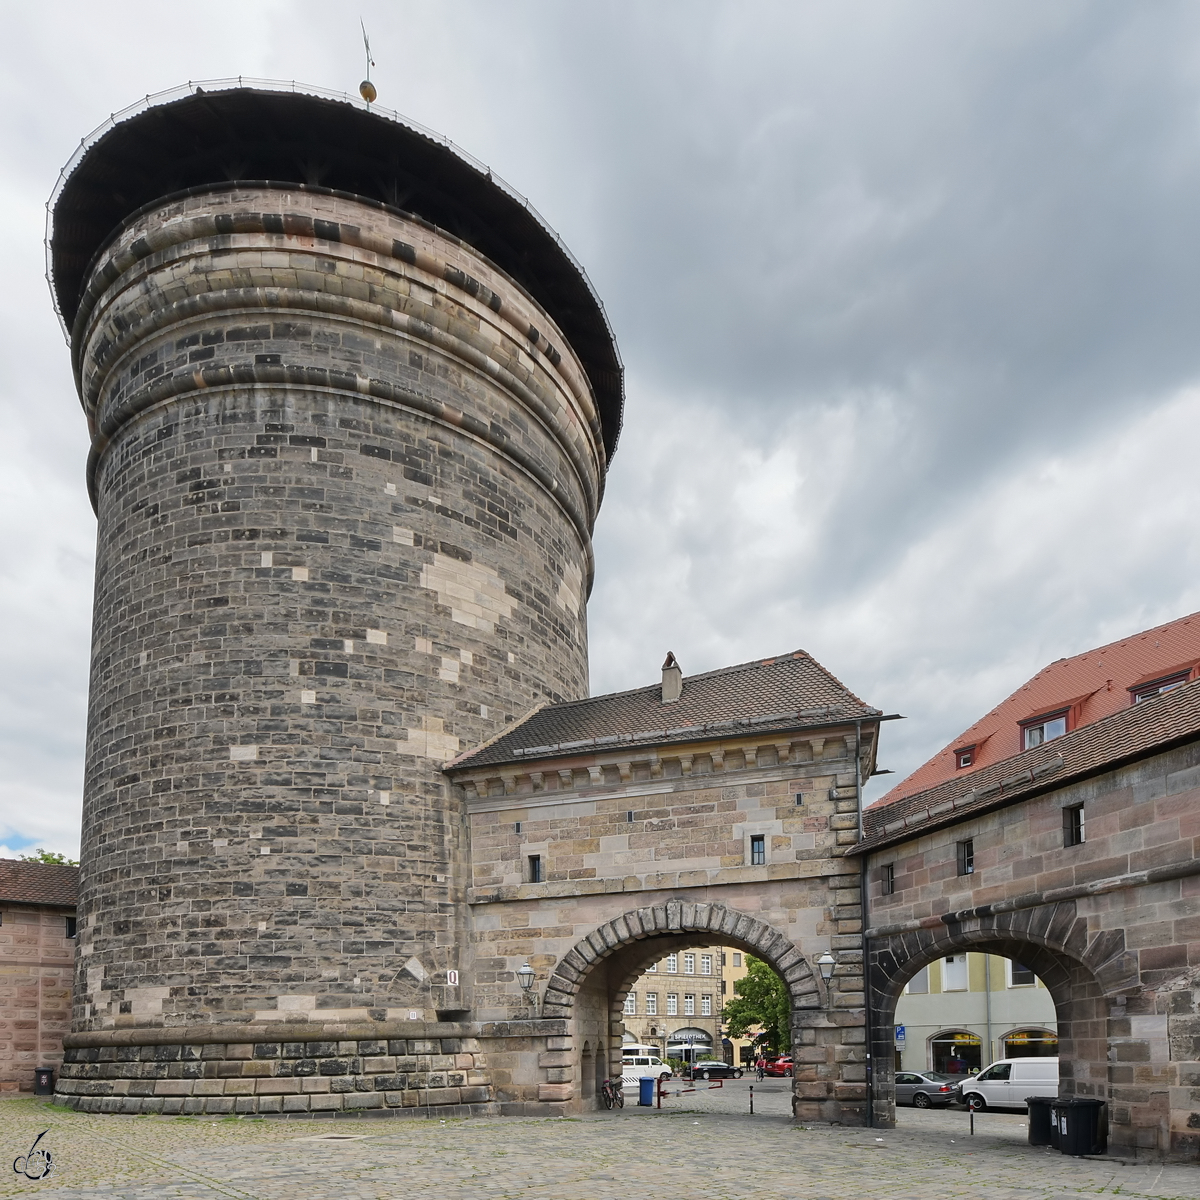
column 367, row 91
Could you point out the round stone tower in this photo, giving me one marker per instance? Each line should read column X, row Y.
column 351, row 406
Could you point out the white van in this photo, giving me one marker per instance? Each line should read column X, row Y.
column 639, row 1066
column 1007, row 1082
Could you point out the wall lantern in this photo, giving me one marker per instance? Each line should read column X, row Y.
column 825, row 964
column 525, row 978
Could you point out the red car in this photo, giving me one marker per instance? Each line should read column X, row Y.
column 780, row 1067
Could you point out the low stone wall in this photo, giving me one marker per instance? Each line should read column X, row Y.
column 274, row 1078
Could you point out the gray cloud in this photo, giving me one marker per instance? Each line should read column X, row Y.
column 907, row 294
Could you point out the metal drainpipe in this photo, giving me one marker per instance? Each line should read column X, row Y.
column 864, row 875
column 987, row 992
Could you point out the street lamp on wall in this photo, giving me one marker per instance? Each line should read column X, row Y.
column 825, row 965
column 526, row 978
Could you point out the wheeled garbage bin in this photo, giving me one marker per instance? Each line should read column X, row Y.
column 1040, row 1125
column 1058, row 1122
column 43, row 1081
column 1082, row 1129
column 646, row 1086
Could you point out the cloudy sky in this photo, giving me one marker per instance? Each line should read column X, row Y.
column 907, row 295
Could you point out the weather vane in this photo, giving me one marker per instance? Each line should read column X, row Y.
column 366, row 89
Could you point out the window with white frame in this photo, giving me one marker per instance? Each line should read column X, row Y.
column 954, row 973
column 689, row 1005
column 1020, row 976
column 652, row 1004
column 689, row 964
column 706, row 1006
column 737, row 959
column 631, row 1004
column 672, row 1004
column 918, row 985
column 652, row 967
column 706, row 964
column 672, row 963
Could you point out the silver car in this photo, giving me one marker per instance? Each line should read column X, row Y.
column 923, row 1089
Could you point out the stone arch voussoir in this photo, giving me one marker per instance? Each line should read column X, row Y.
column 677, row 917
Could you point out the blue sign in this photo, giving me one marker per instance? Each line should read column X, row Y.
column 899, row 1033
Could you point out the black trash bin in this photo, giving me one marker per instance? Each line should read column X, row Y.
column 43, row 1081
column 1082, row 1130
column 1040, row 1124
column 1058, row 1122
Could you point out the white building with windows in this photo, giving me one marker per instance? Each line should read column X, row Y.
column 965, row 1011
column 676, row 1003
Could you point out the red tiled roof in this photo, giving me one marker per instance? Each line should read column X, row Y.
column 788, row 691
column 1092, row 685
column 38, row 883
column 1131, row 733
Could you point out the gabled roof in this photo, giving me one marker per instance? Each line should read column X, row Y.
column 786, row 692
column 1150, row 727
column 1093, row 685
column 38, row 883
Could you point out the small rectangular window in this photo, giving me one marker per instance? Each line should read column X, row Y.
column 887, row 878
column 758, row 850
column 71, row 927
column 737, row 959
column 535, row 868
column 689, row 1005
column 954, row 973
column 1042, row 729
column 672, row 963
column 722, row 987
column 652, row 1004
column 966, row 857
column 918, row 985
column 1020, row 976
column 689, row 964
column 672, row 1004
column 964, row 757
column 706, row 964
column 518, row 827
column 631, row 1004
column 722, row 958
column 629, row 817
column 1073, row 825
column 706, row 1006
column 1147, row 691
column 799, row 799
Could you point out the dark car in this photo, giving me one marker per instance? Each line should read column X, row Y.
column 780, row 1067
column 711, row 1068
column 923, row 1089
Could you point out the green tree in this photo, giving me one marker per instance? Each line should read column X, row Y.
column 49, row 856
column 761, row 1002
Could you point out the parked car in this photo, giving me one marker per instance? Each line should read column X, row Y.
column 711, row 1068
column 1007, row 1082
column 922, row 1089
column 780, row 1067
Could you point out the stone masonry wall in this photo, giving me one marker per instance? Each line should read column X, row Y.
column 36, row 963
column 667, row 831
column 344, row 503
column 1113, row 925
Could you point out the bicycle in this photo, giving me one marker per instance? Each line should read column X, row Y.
column 612, row 1093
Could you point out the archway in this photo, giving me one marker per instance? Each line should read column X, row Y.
column 1085, row 979
column 590, row 983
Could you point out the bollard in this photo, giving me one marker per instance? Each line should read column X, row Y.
column 972, row 1112
column 752, row 1099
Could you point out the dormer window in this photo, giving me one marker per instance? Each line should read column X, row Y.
column 1156, row 687
column 964, row 756
column 1043, row 729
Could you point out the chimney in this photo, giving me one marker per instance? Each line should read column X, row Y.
column 672, row 687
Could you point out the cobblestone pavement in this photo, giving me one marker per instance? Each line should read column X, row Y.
column 691, row 1149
